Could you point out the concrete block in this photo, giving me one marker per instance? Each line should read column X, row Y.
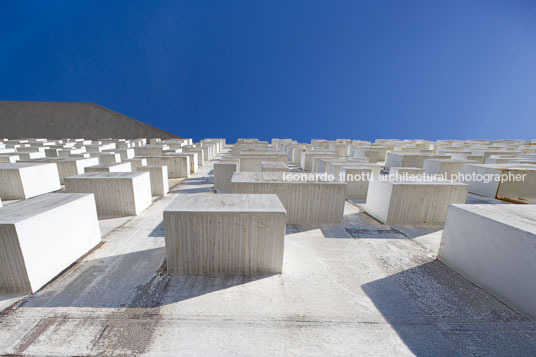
column 306, row 161
column 404, row 159
column 307, row 202
column 9, row 158
column 413, row 202
column 116, row 193
column 406, row 170
column 136, row 162
column 117, row 167
column 224, row 234
column 20, row 181
column 223, row 173
column 178, row 166
column 494, row 246
column 522, row 191
column 192, row 159
column 159, row 179
column 31, row 155
column 274, row 166
column 357, row 181
column 449, row 169
column 42, row 236
column 107, row 157
column 67, row 166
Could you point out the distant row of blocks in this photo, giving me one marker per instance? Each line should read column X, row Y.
column 116, row 193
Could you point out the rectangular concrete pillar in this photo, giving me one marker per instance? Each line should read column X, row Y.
column 494, row 246
column 413, row 202
column 159, row 179
column 224, row 234
column 223, row 173
column 116, row 193
column 42, row 236
column 20, row 181
column 306, row 202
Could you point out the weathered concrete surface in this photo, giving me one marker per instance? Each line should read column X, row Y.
column 360, row 288
column 21, row 119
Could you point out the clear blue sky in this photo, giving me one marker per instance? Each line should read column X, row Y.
column 302, row 69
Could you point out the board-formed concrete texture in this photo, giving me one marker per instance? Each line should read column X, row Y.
column 223, row 173
column 159, row 179
column 358, row 287
column 406, row 171
column 116, row 193
column 357, row 181
column 492, row 185
column 224, row 234
column 113, row 167
column 20, row 181
column 306, row 202
column 413, row 202
column 42, row 236
column 405, row 159
column 273, row 166
column 67, row 166
column 448, row 168
column 178, row 166
column 494, row 246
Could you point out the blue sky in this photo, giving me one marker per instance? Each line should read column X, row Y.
column 302, row 69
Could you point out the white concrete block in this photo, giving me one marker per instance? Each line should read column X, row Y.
column 224, row 234
column 107, row 157
column 136, row 162
column 406, row 170
column 194, row 164
column 42, row 236
column 413, row 202
column 115, row 167
column 306, row 161
column 20, row 181
column 178, row 166
column 404, row 159
column 357, row 181
column 223, row 173
column 9, row 158
column 517, row 191
column 159, row 179
column 306, row 202
column 116, row 193
column 449, row 169
column 494, row 246
column 273, row 166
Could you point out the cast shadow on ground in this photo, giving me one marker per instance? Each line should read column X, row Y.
column 132, row 280
column 435, row 311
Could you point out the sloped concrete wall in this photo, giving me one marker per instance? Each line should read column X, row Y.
column 55, row 120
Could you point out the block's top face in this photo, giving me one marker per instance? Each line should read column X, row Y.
column 22, row 165
column 274, row 164
column 208, row 202
column 519, row 216
column 226, row 163
column 107, row 175
column 281, row 177
column 104, row 166
column 31, row 207
column 148, row 167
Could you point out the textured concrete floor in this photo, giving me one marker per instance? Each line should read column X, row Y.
column 360, row 288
